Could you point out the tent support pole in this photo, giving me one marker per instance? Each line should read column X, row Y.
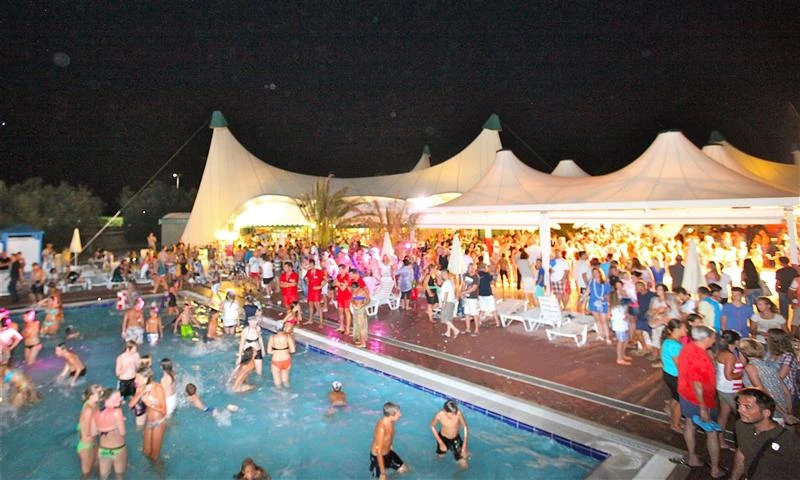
column 791, row 225
column 544, row 244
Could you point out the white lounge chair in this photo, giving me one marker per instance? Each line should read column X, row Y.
column 578, row 329
column 548, row 313
column 383, row 296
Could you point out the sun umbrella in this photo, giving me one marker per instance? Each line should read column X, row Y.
column 75, row 246
column 387, row 248
column 456, row 264
column 692, row 271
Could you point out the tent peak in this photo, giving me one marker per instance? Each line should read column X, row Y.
column 715, row 138
column 218, row 120
column 426, row 150
column 493, row 123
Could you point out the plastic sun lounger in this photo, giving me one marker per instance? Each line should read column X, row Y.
column 578, row 329
column 548, row 313
column 383, row 296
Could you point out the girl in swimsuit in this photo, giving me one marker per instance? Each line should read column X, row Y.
column 243, row 370
column 55, row 313
column 168, row 382
column 152, row 395
column 292, row 318
column 87, row 448
column 22, row 390
column 251, row 338
column 30, row 335
column 360, row 323
column 135, row 403
column 110, row 424
column 281, row 346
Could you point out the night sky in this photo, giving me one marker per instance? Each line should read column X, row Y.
column 102, row 93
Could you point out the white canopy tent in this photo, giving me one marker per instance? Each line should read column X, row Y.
column 779, row 175
column 424, row 160
column 568, row 168
column 233, row 176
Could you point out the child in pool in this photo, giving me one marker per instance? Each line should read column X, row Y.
column 194, row 399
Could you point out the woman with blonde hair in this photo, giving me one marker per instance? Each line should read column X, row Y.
column 87, row 448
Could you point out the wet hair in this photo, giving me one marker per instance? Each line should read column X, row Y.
column 166, row 366
column 779, row 342
column 91, row 390
column 62, row 345
column 146, row 372
column 130, row 344
column 701, row 332
column 107, row 393
column 450, row 406
column 729, row 337
column 751, row 348
column 670, row 327
column 390, row 409
column 191, row 389
column 145, row 360
column 763, row 399
column 256, row 472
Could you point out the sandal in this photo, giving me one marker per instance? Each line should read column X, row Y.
column 684, row 461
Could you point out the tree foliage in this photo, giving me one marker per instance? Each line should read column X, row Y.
column 55, row 209
column 326, row 210
column 155, row 201
column 393, row 217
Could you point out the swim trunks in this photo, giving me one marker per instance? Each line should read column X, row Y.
column 127, row 387
column 82, row 374
column 390, row 460
column 135, row 333
column 453, row 444
column 187, row 331
column 152, row 338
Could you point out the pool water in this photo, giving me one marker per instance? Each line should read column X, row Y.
column 287, row 432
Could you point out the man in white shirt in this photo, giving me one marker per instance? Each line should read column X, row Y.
column 267, row 274
column 448, row 300
column 558, row 278
column 583, row 273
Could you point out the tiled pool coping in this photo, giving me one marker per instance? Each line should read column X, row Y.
column 655, row 457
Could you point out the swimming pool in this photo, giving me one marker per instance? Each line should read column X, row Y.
column 285, row 431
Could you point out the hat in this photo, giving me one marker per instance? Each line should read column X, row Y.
column 336, row 386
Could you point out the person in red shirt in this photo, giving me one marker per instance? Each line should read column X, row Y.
column 288, row 283
column 343, row 296
column 697, row 389
column 314, row 277
column 355, row 277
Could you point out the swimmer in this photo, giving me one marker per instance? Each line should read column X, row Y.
column 168, row 382
column 30, row 334
column 9, row 338
column 135, row 403
column 185, row 321
column 153, row 327
column 22, row 389
column 55, row 312
column 71, row 333
column 133, row 322
column 125, row 369
column 251, row 471
column 251, row 337
column 243, row 370
column 73, row 366
column 292, row 318
column 447, row 437
column 87, row 447
column 172, row 298
column 336, row 397
column 281, row 346
column 194, row 399
column 213, row 325
column 109, row 423
column 152, row 395
column 381, row 455
column 231, row 312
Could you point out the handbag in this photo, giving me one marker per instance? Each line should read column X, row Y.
column 765, row 290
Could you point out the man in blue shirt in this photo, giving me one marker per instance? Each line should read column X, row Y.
column 643, row 298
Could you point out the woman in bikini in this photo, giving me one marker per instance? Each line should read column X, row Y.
column 87, row 447
column 360, row 323
column 136, row 404
column 153, row 397
column 55, row 313
column 281, row 346
column 243, row 370
column 30, row 335
column 251, row 338
column 109, row 423
column 431, row 288
column 168, row 383
column 293, row 318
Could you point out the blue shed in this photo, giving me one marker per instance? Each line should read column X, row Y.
column 25, row 239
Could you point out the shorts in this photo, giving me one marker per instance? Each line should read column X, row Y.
column 152, row 338
column 255, row 275
column 655, row 336
column 314, row 295
column 598, row 306
column 187, row 331
column 688, row 410
column 405, row 295
column 470, row 306
column 486, row 304
column 127, row 387
column 622, row 336
column 390, row 460
column 266, row 281
column 558, row 287
column 172, row 302
column 37, row 289
column 432, row 299
column 672, row 384
column 453, row 444
column 528, row 285
column 729, row 398
column 448, row 309
column 343, row 301
column 135, row 333
column 643, row 326
column 82, row 374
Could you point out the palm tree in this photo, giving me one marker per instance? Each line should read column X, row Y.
column 393, row 217
column 326, row 210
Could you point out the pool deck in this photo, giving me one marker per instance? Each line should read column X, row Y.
column 581, row 382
